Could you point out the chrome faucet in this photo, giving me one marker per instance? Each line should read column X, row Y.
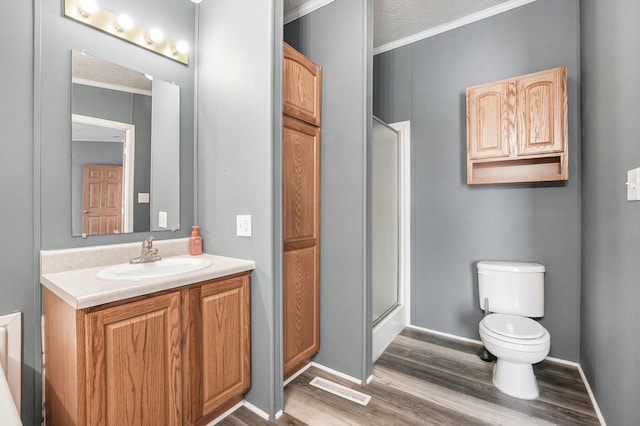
column 148, row 253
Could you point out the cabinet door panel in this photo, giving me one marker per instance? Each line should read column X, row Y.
column 218, row 346
column 491, row 120
column 133, row 363
column 301, row 307
column 542, row 104
column 225, row 341
column 300, row 180
column 302, row 87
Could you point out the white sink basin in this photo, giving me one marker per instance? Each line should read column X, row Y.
column 161, row 268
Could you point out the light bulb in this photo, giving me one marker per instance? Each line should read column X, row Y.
column 88, row 7
column 196, row 1
column 182, row 47
column 154, row 36
column 124, row 23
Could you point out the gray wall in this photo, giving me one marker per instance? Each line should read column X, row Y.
column 337, row 38
column 239, row 138
column 17, row 261
column 57, row 36
column 611, row 233
column 455, row 225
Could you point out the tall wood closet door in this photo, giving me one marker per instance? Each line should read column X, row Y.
column 301, row 229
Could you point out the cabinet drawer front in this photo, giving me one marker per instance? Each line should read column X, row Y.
column 134, row 363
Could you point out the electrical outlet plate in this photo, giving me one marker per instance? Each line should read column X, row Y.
column 162, row 219
column 243, row 225
column 143, row 198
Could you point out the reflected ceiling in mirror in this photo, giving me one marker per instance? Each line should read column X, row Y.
column 125, row 149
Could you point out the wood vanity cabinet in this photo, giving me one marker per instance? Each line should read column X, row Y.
column 301, row 210
column 517, row 129
column 178, row 357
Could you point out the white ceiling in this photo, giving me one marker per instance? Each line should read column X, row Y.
column 399, row 22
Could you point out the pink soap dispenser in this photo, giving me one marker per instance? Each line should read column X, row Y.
column 195, row 242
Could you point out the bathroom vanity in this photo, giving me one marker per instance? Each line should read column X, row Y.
column 171, row 349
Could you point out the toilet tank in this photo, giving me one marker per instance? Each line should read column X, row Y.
column 515, row 288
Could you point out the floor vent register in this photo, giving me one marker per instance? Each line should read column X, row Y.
column 341, row 391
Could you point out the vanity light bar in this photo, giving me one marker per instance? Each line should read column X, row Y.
column 89, row 13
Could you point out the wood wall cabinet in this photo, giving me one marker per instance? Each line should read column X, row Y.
column 301, row 210
column 517, row 129
column 179, row 357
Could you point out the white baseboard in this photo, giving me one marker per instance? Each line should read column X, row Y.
column 592, row 396
column 337, row 373
column 258, row 411
column 222, row 416
column 440, row 333
column 296, row 374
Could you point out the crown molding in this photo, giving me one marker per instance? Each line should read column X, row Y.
column 305, row 9
column 457, row 23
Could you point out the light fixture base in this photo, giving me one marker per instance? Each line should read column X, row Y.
column 107, row 22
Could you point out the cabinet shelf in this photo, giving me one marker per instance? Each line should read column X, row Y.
column 523, row 170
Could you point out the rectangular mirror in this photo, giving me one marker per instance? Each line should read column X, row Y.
column 125, row 149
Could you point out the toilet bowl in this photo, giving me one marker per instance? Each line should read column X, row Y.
column 517, row 342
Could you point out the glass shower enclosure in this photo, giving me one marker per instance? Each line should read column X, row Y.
column 385, row 239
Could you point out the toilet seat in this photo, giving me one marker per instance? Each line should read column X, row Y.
column 514, row 329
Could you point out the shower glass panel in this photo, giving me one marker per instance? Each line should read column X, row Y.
column 385, row 220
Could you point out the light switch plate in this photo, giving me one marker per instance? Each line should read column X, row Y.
column 633, row 184
column 243, row 225
column 143, row 198
column 162, row 219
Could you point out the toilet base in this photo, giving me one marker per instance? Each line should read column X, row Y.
column 516, row 380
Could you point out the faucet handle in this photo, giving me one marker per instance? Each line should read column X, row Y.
column 148, row 242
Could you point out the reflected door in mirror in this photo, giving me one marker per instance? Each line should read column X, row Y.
column 102, row 199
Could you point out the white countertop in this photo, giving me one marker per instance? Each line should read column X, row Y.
column 81, row 289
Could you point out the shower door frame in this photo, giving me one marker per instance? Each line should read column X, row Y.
column 393, row 322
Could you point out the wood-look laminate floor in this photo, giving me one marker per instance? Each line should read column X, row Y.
column 426, row 379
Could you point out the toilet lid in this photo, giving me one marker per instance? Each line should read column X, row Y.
column 514, row 326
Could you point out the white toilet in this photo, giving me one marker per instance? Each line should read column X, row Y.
column 512, row 292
